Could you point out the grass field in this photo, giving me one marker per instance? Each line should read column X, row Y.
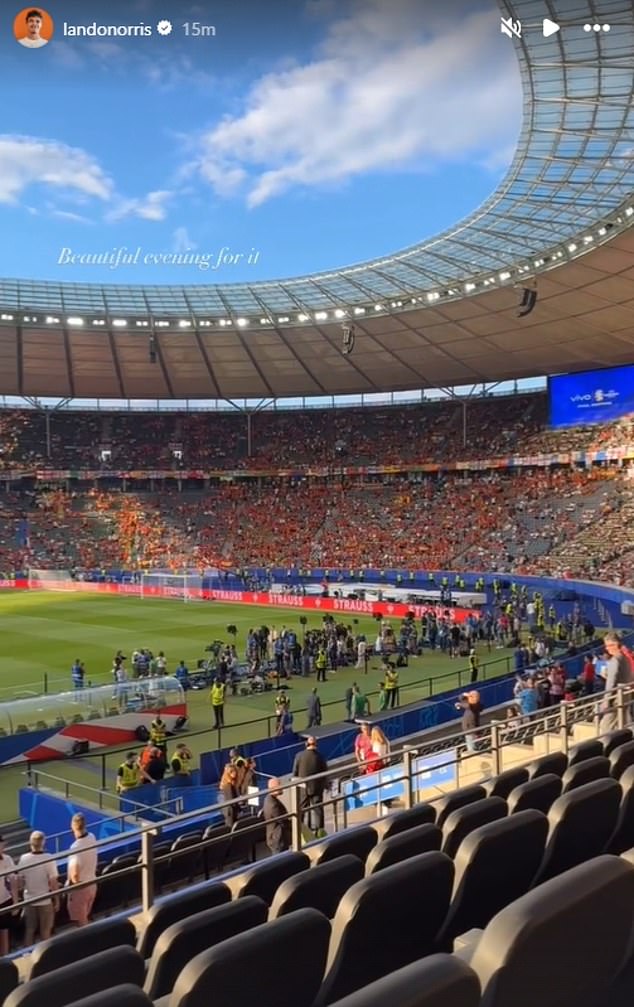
column 43, row 633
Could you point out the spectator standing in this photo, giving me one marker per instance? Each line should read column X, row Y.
column 77, row 674
column 310, row 763
column 588, row 676
column 230, row 792
column 182, row 674
column 82, row 867
column 37, row 874
column 321, row 663
column 313, row 710
column 391, row 685
column 158, row 734
column 617, row 672
column 528, row 698
column 8, row 894
column 474, row 666
column 129, row 774
column 274, row 813
column 182, row 765
column 471, row 709
column 363, row 745
column 360, row 704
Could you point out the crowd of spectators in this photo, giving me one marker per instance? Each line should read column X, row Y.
column 432, row 432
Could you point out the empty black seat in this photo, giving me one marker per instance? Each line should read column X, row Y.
column 495, row 864
column 181, row 942
column 9, row 977
column 402, row 846
column 81, row 979
column 464, row 820
column 621, row 758
column 579, row 827
column 285, row 958
column 457, row 799
column 358, row 841
column 595, row 768
column 622, row 838
column 247, row 833
column 75, row 945
column 400, row 821
column 322, row 887
column 437, row 981
column 591, row 749
column 614, row 739
column 504, row 783
column 117, row 891
column 117, row 996
column 397, row 913
column 555, row 763
column 215, row 854
column 161, row 864
column 172, row 908
column 537, row 794
column 575, row 929
column 186, row 859
column 264, row 878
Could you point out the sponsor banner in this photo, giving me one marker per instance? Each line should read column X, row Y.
column 591, row 396
column 343, row 606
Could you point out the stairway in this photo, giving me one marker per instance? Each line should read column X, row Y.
column 16, row 836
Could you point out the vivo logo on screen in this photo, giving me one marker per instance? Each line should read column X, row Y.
column 598, row 396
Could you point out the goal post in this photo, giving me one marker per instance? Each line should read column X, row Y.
column 181, row 586
column 51, row 580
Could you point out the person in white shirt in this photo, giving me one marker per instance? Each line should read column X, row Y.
column 82, row 867
column 33, row 39
column 8, row 895
column 37, row 877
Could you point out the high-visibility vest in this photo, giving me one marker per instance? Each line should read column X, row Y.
column 185, row 763
column 217, row 695
column 391, row 680
column 158, row 732
column 321, row 660
column 129, row 775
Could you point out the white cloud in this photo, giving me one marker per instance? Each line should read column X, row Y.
column 150, row 207
column 27, row 161
column 392, row 86
column 181, row 242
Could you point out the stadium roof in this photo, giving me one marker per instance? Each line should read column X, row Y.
column 440, row 313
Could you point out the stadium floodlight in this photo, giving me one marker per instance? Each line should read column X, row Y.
column 265, row 321
column 603, row 231
column 222, row 322
column 142, row 324
column 99, row 321
column 321, row 316
column 629, row 211
column 378, row 307
column 6, row 318
column 434, row 296
column 161, row 325
column 359, row 311
column 340, row 313
column 284, row 318
column 119, row 323
column 184, row 323
column 242, row 322
column 468, row 287
column 204, row 323
column 572, row 247
column 505, row 276
column 51, row 320
column 74, row 320
column 303, row 318
column 588, row 239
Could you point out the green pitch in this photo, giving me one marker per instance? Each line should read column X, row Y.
column 44, row 632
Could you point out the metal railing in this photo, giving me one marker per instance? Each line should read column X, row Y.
column 599, row 712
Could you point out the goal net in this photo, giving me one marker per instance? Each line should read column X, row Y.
column 51, row 580
column 183, row 586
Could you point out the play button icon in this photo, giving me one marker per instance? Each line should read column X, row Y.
column 550, row 27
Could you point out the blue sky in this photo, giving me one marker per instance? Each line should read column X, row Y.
column 314, row 133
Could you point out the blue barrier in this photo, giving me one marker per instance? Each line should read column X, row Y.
column 52, row 815
column 389, row 785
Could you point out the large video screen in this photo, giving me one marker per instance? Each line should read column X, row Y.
column 591, row 396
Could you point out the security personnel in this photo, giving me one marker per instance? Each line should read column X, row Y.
column 552, row 616
column 182, row 765
column 128, row 774
column 321, row 663
column 217, row 696
column 158, row 734
column 474, row 665
column 391, row 686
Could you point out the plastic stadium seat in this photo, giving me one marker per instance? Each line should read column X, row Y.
column 621, row 758
column 246, row 834
column 181, row 942
column 585, row 750
column 400, row 821
column 596, row 768
column 579, row 826
column 117, row 996
column 575, row 930
column 358, row 841
column 81, row 979
column 285, row 957
column 537, row 794
column 77, row 944
column 9, row 977
column 457, row 799
column 322, row 887
column 502, row 785
column 397, row 913
column 402, row 846
column 117, row 892
column 622, row 838
column 215, row 854
column 614, row 739
column 264, row 878
column 188, row 864
column 555, row 763
column 464, row 820
column 173, row 908
column 494, row 865
column 437, row 981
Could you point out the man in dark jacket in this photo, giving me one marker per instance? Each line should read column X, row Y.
column 313, row 709
column 310, row 763
column 278, row 826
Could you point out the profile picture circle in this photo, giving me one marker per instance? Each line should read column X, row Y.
column 33, row 27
